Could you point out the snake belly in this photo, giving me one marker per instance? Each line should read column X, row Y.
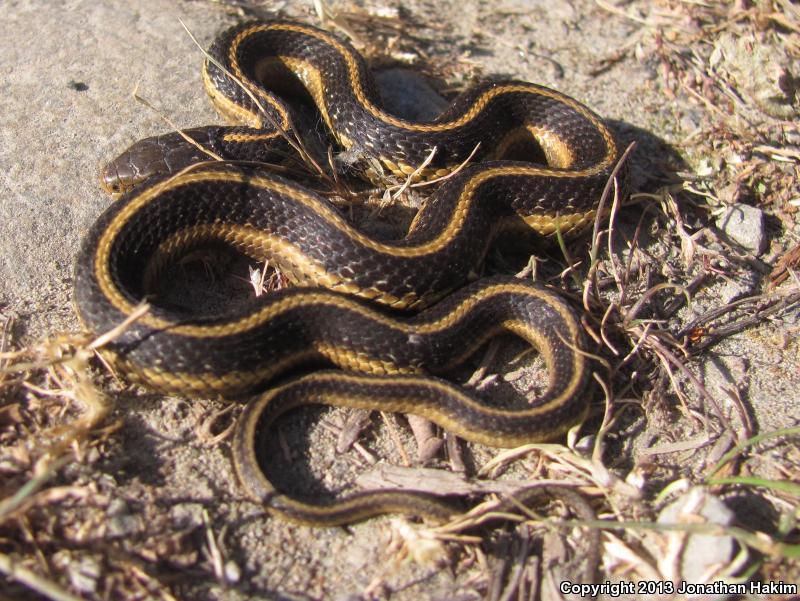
column 342, row 318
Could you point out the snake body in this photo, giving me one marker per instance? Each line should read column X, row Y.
column 268, row 217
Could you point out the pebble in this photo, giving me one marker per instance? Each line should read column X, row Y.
column 744, row 225
column 409, row 95
column 187, row 515
column 84, row 574
column 702, row 552
column 120, row 520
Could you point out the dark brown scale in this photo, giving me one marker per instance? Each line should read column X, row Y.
column 371, row 135
column 422, row 278
column 171, row 153
column 409, row 282
column 330, row 388
column 375, row 137
column 580, row 152
column 335, row 320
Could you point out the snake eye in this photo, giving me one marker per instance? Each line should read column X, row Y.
column 110, row 179
column 123, row 174
column 111, row 188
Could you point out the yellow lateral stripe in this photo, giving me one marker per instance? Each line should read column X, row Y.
column 238, row 233
column 475, row 109
column 105, row 243
column 534, row 313
column 315, row 204
column 236, row 113
column 407, row 405
column 243, row 138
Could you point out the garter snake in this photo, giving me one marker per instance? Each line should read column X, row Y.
column 329, row 320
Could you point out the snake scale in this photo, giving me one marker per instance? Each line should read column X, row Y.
column 394, row 315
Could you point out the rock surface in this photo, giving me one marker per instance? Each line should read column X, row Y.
column 745, row 226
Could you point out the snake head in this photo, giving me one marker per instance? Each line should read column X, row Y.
column 166, row 154
column 117, row 177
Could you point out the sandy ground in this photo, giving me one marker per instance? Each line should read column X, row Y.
column 151, row 493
